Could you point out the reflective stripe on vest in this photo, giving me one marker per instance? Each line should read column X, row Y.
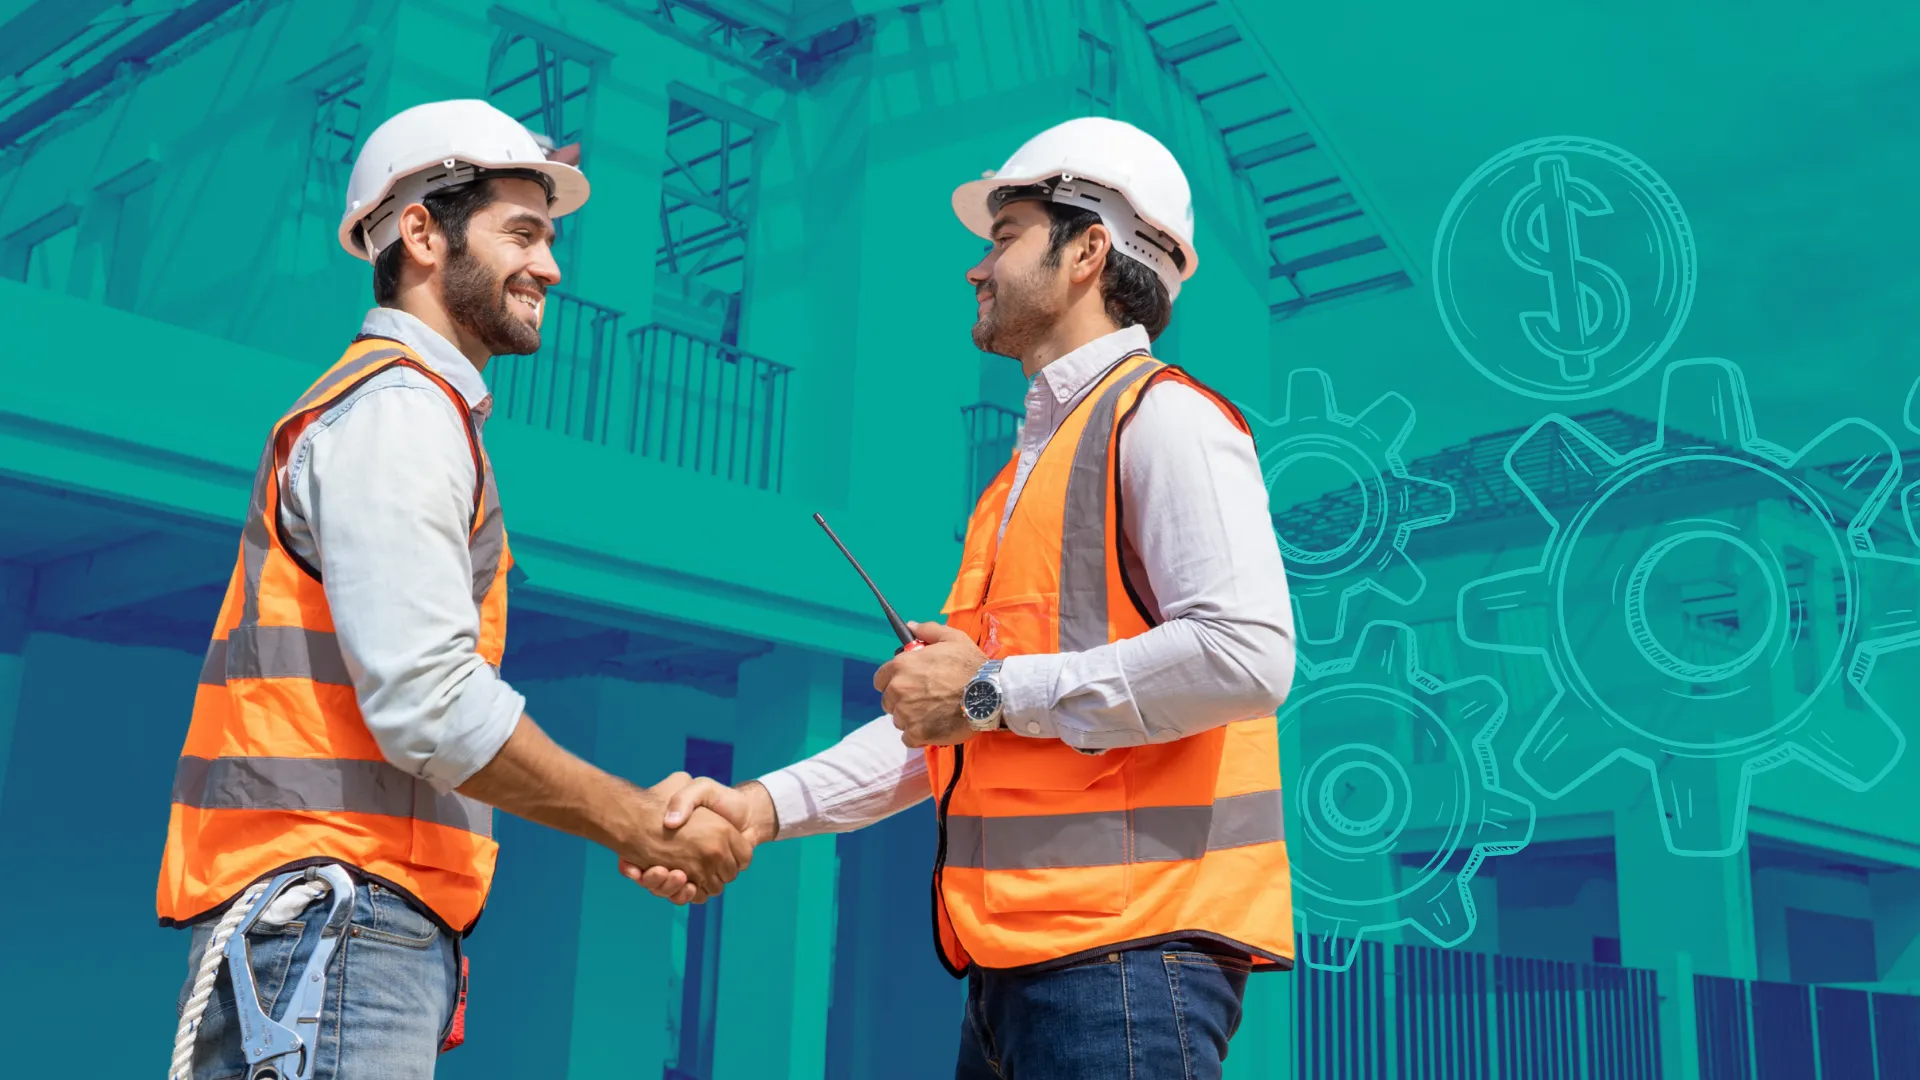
column 1114, row 837
column 1083, row 539
column 324, row 785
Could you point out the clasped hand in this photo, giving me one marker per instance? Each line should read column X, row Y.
column 720, row 827
column 706, row 843
column 712, row 829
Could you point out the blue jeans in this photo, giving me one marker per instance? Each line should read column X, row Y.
column 390, row 991
column 1155, row 1013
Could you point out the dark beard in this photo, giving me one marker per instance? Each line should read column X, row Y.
column 1013, row 323
column 477, row 303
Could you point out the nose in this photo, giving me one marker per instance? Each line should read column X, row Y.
column 981, row 271
column 543, row 267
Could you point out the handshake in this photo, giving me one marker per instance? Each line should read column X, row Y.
column 693, row 836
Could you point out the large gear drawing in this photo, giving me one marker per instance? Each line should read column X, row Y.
column 1912, row 495
column 1390, row 764
column 1629, row 682
column 1361, row 544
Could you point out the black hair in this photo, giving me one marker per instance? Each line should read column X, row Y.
column 1134, row 295
column 452, row 208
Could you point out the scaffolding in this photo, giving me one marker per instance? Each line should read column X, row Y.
column 331, row 141
column 706, row 205
column 775, row 54
column 1097, row 78
column 1324, row 241
column 543, row 88
column 68, row 59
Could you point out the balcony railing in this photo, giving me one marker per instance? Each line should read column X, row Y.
column 991, row 431
column 683, row 400
column 1748, row 1030
column 1412, row 1012
column 704, row 405
column 561, row 388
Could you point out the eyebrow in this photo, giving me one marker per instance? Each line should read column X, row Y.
column 1004, row 220
column 526, row 217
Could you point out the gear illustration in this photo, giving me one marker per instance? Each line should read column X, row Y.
column 1352, row 540
column 1703, row 695
column 1911, row 497
column 1395, row 798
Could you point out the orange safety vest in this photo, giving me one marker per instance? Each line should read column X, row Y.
column 279, row 769
column 1048, row 854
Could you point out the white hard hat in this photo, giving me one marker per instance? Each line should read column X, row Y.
column 437, row 145
column 1084, row 163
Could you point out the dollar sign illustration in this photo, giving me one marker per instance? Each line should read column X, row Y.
column 1587, row 303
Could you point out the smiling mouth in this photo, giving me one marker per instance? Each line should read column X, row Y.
column 529, row 301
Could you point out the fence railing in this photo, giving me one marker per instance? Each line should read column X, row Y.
column 991, row 431
column 1412, row 1012
column 678, row 398
column 704, row 405
column 1767, row 1030
column 562, row 387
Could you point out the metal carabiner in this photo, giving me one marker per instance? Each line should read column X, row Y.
column 277, row 1050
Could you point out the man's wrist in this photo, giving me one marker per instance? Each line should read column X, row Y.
column 763, row 820
column 633, row 813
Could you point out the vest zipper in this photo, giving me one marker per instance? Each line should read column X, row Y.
column 940, row 862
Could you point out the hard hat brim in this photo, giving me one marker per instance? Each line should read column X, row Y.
column 970, row 206
column 570, row 192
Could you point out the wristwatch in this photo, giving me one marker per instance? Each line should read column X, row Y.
column 983, row 697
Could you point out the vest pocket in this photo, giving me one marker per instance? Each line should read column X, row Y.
column 1054, row 835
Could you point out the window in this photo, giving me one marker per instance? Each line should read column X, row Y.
column 706, row 208
column 330, row 142
column 41, row 253
column 544, row 89
column 1095, row 91
column 547, row 90
column 696, row 950
column 113, row 238
column 1824, row 948
column 307, row 244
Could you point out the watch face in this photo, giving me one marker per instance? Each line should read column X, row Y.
column 980, row 700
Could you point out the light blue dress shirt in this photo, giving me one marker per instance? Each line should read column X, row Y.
column 378, row 495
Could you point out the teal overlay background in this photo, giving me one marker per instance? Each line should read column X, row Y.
column 1576, row 341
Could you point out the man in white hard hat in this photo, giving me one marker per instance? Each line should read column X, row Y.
column 1096, row 717
column 351, row 716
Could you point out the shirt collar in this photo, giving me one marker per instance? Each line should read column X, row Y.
column 439, row 354
column 1068, row 377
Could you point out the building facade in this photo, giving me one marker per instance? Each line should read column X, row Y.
column 762, row 317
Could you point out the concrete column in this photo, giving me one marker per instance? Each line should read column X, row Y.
column 776, row 948
column 1896, row 925
column 1680, row 915
column 624, row 969
column 16, row 594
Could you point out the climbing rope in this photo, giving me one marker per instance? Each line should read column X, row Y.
column 283, row 909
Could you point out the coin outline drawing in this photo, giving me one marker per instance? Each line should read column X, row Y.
column 1657, row 197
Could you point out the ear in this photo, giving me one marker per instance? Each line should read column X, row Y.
column 1095, row 246
column 420, row 235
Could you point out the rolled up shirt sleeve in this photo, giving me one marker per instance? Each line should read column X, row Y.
column 384, row 486
column 1195, row 513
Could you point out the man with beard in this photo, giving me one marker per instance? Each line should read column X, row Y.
column 1096, row 717
column 351, row 729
